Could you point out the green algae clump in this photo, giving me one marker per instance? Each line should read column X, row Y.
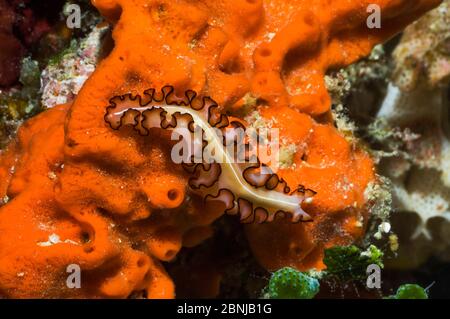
column 410, row 291
column 350, row 262
column 288, row 283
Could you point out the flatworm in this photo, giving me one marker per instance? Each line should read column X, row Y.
column 243, row 187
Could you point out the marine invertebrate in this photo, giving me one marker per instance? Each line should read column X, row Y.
column 243, row 186
column 111, row 267
column 119, row 205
